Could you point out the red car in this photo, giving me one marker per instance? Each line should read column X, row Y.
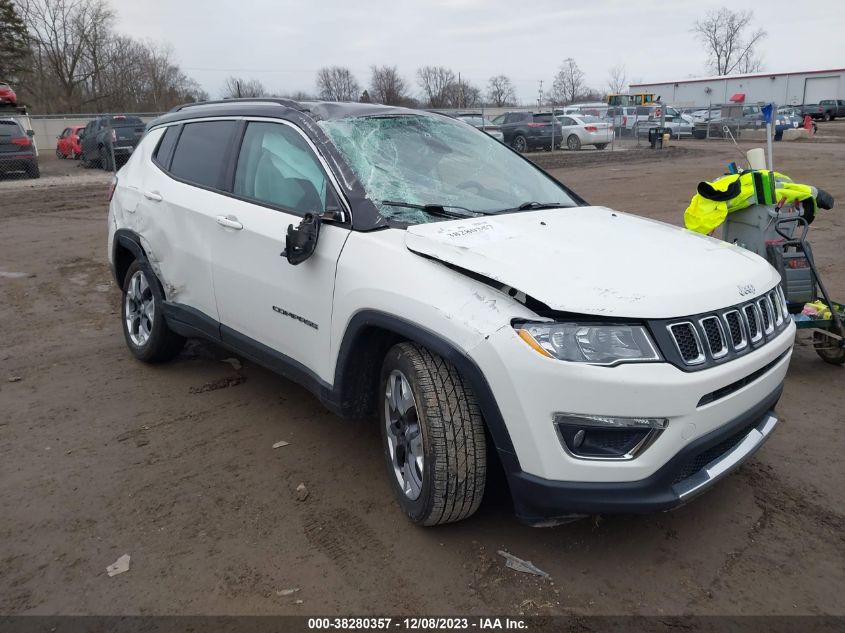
column 7, row 95
column 67, row 145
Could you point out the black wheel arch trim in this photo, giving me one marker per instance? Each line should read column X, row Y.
column 131, row 241
column 408, row 330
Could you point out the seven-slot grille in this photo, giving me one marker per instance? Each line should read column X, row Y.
column 734, row 329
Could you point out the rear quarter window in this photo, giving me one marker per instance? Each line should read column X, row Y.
column 200, row 154
column 166, row 145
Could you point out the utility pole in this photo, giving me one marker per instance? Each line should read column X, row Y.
column 540, row 95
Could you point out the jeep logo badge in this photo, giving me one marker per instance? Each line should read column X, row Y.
column 747, row 289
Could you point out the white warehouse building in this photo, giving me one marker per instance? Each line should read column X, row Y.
column 778, row 88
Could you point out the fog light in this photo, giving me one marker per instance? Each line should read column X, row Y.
column 607, row 437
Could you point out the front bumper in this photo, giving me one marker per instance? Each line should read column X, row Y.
column 694, row 469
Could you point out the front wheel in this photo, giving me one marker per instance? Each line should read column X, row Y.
column 573, row 142
column 601, row 145
column 144, row 328
column 59, row 154
column 433, row 436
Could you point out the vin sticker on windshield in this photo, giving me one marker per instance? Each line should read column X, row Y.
column 473, row 232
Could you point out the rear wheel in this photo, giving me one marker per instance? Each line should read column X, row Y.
column 433, row 436
column 144, row 328
column 33, row 171
column 520, row 144
column 573, row 142
column 827, row 116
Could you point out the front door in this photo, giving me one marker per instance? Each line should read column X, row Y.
column 278, row 179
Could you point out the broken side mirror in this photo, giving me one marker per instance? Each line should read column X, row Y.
column 301, row 241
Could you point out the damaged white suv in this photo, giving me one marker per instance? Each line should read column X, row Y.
column 406, row 264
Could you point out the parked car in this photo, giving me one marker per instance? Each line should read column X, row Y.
column 585, row 129
column 734, row 117
column 825, row 110
column 482, row 123
column 434, row 278
column 705, row 114
column 623, row 118
column 524, row 131
column 113, row 136
column 7, row 95
column 67, row 143
column 678, row 124
column 17, row 151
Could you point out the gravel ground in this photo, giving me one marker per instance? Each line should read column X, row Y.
column 101, row 455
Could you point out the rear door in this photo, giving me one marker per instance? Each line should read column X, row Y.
column 88, row 143
column 63, row 142
column 181, row 194
column 262, row 298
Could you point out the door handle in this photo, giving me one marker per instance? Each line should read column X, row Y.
column 230, row 222
column 155, row 196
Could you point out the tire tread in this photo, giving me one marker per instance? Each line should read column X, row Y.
column 456, row 436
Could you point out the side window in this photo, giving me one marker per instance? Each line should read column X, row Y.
column 65, row 133
column 200, row 154
column 166, row 143
column 498, row 120
column 276, row 166
column 565, row 120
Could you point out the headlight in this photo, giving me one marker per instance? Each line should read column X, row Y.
column 599, row 344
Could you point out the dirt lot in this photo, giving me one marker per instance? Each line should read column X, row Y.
column 101, row 455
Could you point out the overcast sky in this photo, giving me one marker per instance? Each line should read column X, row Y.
column 283, row 42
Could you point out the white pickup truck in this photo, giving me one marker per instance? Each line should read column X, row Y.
column 404, row 265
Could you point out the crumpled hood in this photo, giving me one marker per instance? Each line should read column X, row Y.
column 592, row 260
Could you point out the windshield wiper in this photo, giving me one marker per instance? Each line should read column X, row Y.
column 435, row 209
column 533, row 206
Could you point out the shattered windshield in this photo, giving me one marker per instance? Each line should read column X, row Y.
column 433, row 161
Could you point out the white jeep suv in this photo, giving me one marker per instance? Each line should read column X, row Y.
column 404, row 263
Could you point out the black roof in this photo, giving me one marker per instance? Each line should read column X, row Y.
column 273, row 107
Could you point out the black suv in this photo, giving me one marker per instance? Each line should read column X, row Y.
column 17, row 151
column 527, row 130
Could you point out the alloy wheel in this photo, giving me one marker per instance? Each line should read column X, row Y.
column 139, row 309
column 404, row 436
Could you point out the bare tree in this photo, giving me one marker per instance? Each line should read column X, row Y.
column 237, row 87
column 500, row 91
column 462, row 94
column 337, row 83
column 617, row 79
column 729, row 45
column 437, row 84
column 568, row 83
column 59, row 32
column 387, row 85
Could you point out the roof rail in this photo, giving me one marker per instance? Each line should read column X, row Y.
column 290, row 103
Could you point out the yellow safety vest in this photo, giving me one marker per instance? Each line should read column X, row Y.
column 714, row 200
